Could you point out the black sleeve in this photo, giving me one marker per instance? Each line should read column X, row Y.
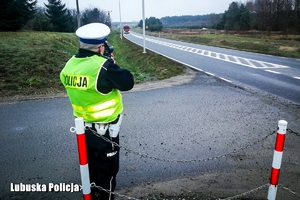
column 112, row 76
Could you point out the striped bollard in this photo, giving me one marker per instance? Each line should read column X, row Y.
column 83, row 159
column 282, row 126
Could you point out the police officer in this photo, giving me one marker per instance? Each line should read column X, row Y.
column 93, row 82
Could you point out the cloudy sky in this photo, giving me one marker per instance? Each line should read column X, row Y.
column 131, row 10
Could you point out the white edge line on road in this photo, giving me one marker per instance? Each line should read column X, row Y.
column 296, row 77
column 263, row 64
column 191, row 66
column 169, row 57
column 209, row 73
column 274, row 72
column 224, row 79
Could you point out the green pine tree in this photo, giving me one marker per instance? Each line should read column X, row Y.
column 14, row 14
column 59, row 16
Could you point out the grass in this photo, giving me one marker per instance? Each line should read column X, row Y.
column 30, row 62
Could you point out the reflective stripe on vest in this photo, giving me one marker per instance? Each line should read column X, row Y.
column 95, row 108
column 100, row 111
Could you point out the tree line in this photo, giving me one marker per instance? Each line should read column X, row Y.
column 23, row 14
column 152, row 24
column 190, row 20
column 262, row 15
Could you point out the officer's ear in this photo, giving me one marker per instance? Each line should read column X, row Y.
column 98, row 49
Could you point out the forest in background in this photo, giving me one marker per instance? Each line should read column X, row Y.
column 261, row 15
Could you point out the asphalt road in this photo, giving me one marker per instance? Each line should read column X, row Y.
column 187, row 126
column 272, row 74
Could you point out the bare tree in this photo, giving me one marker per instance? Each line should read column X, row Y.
column 263, row 14
column 296, row 14
column 94, row 15
column 276, row 15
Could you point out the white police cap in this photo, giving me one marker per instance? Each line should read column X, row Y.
column 93, row 33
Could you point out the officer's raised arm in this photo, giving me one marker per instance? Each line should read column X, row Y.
column 119, row 78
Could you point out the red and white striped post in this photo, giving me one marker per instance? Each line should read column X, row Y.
column 282, row 126
column 83, row 159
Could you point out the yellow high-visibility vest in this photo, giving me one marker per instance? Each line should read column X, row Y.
column 79, row 77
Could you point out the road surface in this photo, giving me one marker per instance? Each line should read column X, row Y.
column 275, row 75
column 187, row 139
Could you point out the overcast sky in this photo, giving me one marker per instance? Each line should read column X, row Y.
column 131, row 10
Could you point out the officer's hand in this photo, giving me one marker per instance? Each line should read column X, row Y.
column 112, row 57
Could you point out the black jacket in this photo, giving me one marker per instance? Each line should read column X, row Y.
column 111, row 75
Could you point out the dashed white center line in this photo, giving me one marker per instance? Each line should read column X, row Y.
column 296, row 77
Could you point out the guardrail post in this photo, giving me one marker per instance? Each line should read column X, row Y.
column 83, row 159
column 277, row 158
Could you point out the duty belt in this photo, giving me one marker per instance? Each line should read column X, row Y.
column 101, row 128
column 93, row 125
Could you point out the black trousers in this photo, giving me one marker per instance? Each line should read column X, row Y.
column 103, row 159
